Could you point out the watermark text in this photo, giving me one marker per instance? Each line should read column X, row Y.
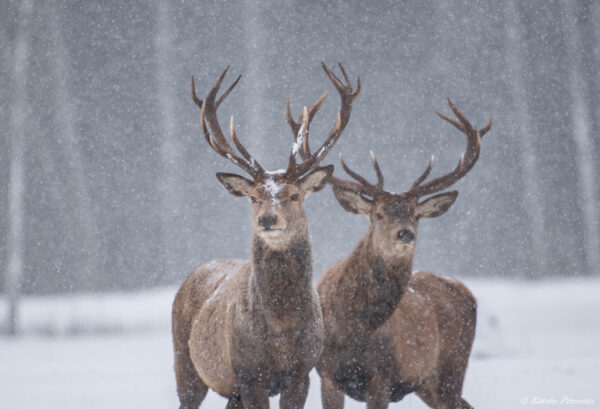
column 564, row 400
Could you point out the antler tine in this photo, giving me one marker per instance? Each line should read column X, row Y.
column 231, row 87
column 346, row 78
column 197, row 100
column 467, row 159
column 312, row 110
column 486, row 128
column 211, row 106
column 363, row 186
column 249, row 158
column 349, row 185
column 300, row 139
column 210, row 139
column 341, row 87
column 378, row 171
column 425, row 174
column 355, row 175
column 208, row 113
column 295, row 126
column 347, row 96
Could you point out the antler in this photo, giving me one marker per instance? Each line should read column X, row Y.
column 208, row 113
column 300, row 128
column 363, row 186
column 467, row 159
column 474, row 136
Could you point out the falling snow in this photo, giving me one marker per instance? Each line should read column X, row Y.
column 109, row 199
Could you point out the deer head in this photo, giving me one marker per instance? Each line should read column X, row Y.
column 277, row 197
column 395, row 217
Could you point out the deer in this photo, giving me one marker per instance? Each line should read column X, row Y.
column 388, row 331
column 251, row 329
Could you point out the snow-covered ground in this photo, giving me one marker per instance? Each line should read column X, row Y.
column 536, row 341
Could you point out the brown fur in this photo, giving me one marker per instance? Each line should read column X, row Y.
column 250, row 330
column 387, row 332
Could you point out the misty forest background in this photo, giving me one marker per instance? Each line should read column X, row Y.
column 106, row 182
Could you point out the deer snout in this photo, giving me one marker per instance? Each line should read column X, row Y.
column 406, row 236
column 267, row 221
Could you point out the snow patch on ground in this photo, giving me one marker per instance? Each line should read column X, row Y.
column 534, row 340
column 94, row 313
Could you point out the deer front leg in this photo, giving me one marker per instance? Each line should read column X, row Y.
column 331, row 396
column 294, row 397
column 234, row 403
column 254, row 397
column 378, row 393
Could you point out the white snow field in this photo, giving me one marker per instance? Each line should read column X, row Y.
column 537, row 345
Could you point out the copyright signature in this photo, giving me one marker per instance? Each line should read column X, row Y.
column 565, row 400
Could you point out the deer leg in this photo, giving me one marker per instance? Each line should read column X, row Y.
column 331, row 397
column 378, row 393
column 434, row 401
column 429, row 393
column 234, row 403
column 437, row 397
column 449, row 388
column 254, row 397
column 294, row 397
column 463, row 404
column 190, row 388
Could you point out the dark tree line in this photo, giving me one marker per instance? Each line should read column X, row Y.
column 118, row 183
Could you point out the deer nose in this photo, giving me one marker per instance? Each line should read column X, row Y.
column 267, row 221
column 406, row 236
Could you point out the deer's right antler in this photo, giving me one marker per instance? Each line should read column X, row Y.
column 208, row 113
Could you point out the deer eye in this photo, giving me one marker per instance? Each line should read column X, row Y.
column 379, row 216
column 252, row 199
column 295, row 197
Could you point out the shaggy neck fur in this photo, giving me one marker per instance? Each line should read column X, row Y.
column 370, row 289
column 282, row 283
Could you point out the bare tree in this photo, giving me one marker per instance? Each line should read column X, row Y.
column 88, row 257
column 581, row 124
column 257, row 71
column 170, row 147
column 532, row 197
column 18, row 134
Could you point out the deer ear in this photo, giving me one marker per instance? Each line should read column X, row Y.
column 437, row 205
column 353, row 202
column 316, row 180
column 235, row 184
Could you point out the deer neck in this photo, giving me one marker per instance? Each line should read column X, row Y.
column 373, row 289
column 282, row 279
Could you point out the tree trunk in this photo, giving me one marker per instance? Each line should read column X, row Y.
column 170, row 149
column 581, row 124
column 526, row 134
column 257, row 75
column 19, row 117
column 88, row 263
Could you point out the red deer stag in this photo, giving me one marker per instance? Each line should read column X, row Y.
column 388, row 333
column 252, row 329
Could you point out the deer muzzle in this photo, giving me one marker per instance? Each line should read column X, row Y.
column 406, row 236
column 266, row 222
